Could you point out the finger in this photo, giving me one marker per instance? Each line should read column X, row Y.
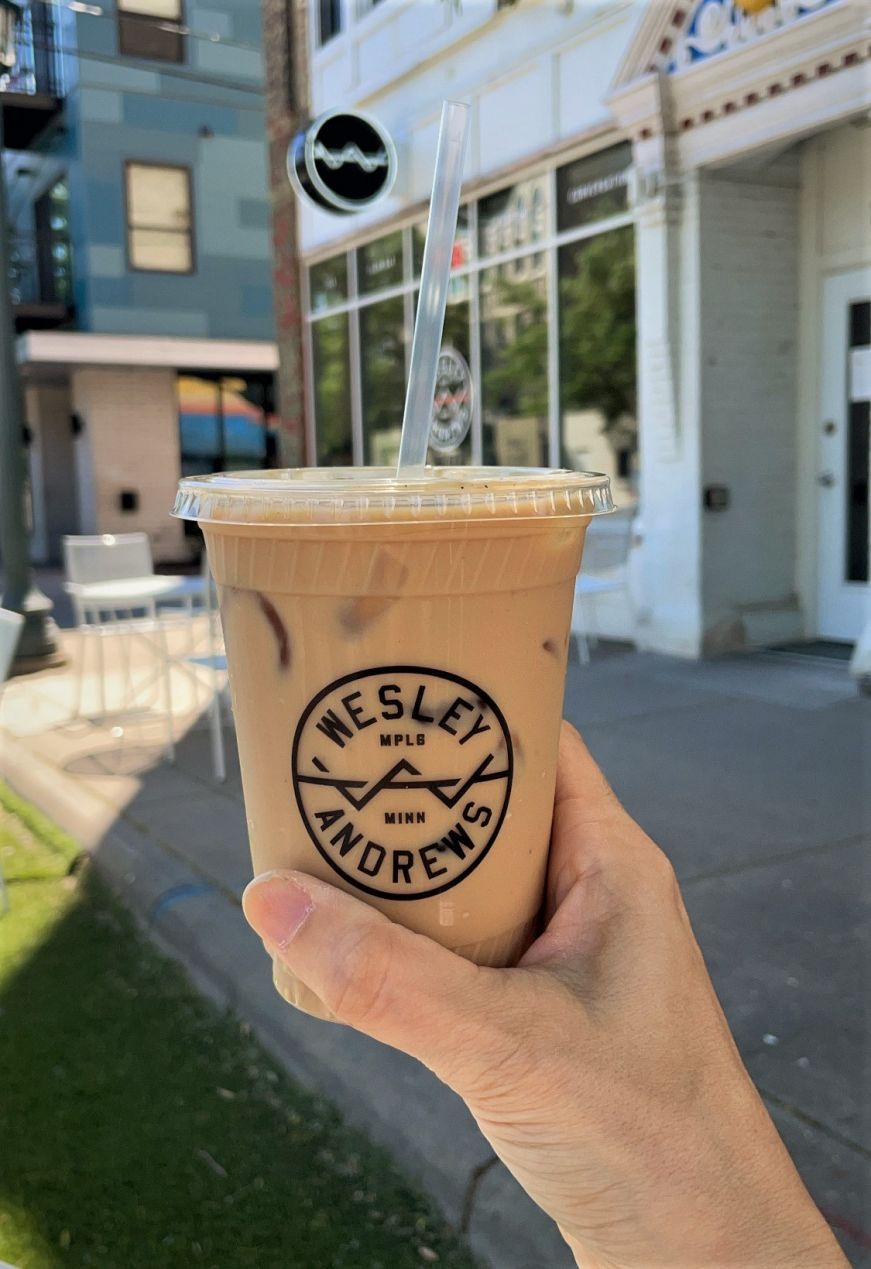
column 378, row 977
column 585, row 819
column 579, row 779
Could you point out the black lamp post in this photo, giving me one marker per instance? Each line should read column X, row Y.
column 38, row 645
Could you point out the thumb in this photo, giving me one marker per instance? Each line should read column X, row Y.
column 396, row 986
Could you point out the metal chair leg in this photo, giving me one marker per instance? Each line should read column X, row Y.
column 166, row 674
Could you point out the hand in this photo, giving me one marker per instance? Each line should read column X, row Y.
column 601, row 1070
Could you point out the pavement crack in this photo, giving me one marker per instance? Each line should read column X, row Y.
column 797, row 1113
column 476, row 1177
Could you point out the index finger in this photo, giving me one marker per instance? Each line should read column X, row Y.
column 579, row 779
column 584, row 814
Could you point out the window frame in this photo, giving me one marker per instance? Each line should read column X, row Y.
column 129, row 227
column 134, row 19
column 549, row 245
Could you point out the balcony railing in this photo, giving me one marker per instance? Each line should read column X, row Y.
column 40, row 279
column 39, row 65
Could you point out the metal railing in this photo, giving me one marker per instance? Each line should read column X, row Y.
column 40, row 269
column 39, row 64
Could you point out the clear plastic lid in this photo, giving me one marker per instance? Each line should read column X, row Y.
column 373, row 495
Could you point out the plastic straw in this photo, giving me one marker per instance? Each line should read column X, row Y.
column 434, row 277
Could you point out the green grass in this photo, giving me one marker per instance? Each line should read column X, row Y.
column 30, row 845
column 141, row 1128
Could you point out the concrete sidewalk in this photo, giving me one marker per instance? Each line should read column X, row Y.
column 753, row 774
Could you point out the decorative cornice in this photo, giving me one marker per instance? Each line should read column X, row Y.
column 835, row 38
column 716, row 27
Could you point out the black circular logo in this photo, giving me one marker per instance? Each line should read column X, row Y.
column 343, row 161
column 452, row 404
column 402, row 776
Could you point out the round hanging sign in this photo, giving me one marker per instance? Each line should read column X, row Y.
column 343, row 162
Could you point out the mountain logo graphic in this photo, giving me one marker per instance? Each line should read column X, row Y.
column 402, row 777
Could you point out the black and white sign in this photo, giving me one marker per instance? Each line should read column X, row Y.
column 343, row 162
column 452, row 404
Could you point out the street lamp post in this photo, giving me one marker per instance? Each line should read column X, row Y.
column 38, row 644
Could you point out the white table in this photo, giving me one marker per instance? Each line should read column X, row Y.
column 130, row 594
column 109, row 608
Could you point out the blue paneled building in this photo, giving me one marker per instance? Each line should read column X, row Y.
column 136, row 169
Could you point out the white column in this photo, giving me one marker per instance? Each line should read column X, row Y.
column 669, row 614
column 82, row 455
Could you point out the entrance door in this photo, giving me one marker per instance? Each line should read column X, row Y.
column 844, row 456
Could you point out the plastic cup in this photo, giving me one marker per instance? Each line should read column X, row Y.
column 396, row 653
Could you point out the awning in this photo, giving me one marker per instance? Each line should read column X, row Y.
column 81, row 348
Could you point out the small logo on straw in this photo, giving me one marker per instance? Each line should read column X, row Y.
column 452, row 404
column 402, row 776
column 343, row 161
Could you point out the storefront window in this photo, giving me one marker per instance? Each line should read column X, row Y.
column 332, row 390
column 382, row 356
column 593, row 187
column 455, row 389
column 513, row 218
column 598, row 404
column 379, row 264
column 226, row 423
column 514, row 366
column 496, row 378
column 328, row 283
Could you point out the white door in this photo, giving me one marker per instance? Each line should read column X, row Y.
column 842, row 582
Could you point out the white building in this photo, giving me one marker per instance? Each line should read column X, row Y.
column 724, row 147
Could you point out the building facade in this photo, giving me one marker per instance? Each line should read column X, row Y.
column 662, row 271
column 141, row 258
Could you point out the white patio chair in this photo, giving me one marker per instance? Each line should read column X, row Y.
column 10, row 633
column 604, row 571
column 111, row 579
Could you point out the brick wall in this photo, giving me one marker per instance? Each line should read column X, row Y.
column 748, row 284
column 130, row 419
column 284, row 43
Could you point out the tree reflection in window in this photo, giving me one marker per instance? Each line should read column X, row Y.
column 332, row 390
column 598, row 389
column 382, row 355
column 514, row 367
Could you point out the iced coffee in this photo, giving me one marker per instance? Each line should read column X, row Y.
column 397, row 656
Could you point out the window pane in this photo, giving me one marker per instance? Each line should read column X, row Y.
column 244, row 424
column 332, row 390
column 158, row 197
column 454, row 398
column 462, row 252
column 160, row 249
column 593, row 187
column 328, row 283
column 515, row 217
column 199, row 425
column 155, row 38
column 599, row 427
column 514, row 363
column 380, row 264
column 168, row 10
column 382, row 353
column 329, row 19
